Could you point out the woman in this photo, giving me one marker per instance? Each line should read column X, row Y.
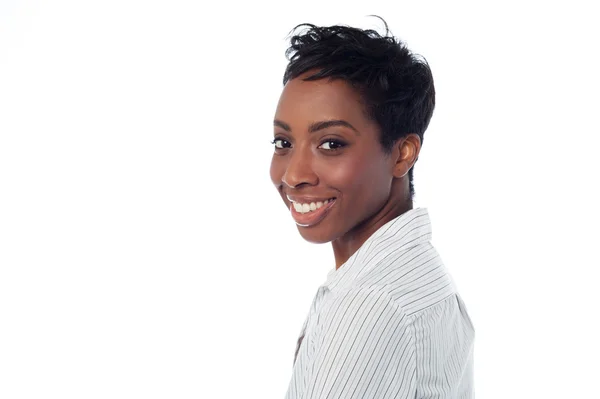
column 348, row 129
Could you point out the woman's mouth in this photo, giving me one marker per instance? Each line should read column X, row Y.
column 310, row 213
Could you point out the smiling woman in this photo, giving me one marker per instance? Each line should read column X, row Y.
column 348, row 129
column 327, row 147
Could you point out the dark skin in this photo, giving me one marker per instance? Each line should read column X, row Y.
column 343, row 159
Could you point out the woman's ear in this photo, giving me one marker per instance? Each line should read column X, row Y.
column 406, row 152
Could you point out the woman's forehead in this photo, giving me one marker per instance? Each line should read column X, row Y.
column 319, row 100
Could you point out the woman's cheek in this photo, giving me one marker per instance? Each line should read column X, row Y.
column 345, row 173
column 275, row 170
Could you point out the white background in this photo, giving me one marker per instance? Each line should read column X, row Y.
column 145, row 254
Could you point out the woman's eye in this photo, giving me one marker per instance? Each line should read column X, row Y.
column 280, row 143
column 331, row 145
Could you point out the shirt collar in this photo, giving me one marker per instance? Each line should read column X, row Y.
column 405, row 231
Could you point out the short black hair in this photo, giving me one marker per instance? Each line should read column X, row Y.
column 396, row 85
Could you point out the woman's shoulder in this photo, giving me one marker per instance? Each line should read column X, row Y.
column 415, row 278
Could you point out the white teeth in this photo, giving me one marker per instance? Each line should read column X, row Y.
column 309, row 207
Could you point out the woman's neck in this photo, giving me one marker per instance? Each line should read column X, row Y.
column 345, row 246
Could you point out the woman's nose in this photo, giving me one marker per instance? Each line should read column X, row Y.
column 299, row 170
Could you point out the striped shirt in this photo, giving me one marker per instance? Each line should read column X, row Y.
column 389, row 323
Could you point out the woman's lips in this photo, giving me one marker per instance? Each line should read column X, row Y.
column 311, row 218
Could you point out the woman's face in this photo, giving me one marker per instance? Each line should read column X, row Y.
column 328, row 166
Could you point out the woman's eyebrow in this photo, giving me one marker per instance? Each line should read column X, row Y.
column 282, row 125
column 315, row 126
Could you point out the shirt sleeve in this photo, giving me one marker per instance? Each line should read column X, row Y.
column 363, row 349
column 444, row 336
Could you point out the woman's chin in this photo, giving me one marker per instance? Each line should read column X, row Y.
column 313, row 235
